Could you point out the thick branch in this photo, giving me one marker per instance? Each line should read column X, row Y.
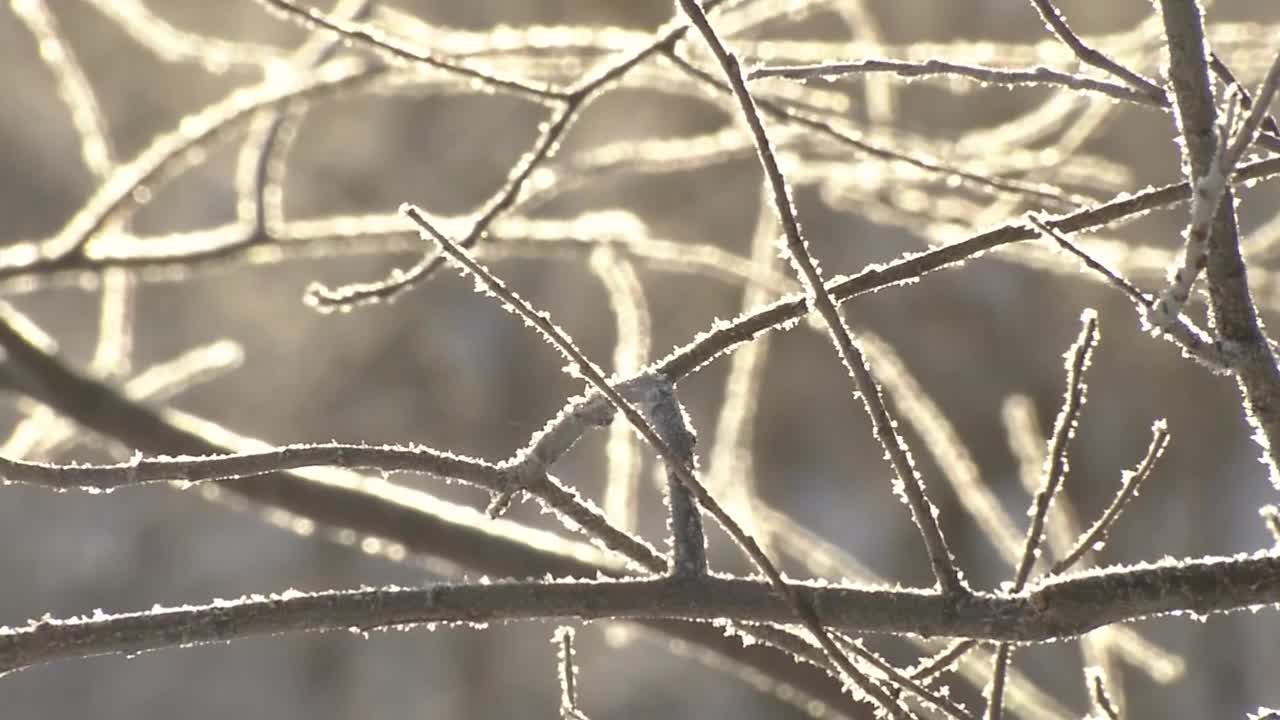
column 1230, row 301
column 1060, row 608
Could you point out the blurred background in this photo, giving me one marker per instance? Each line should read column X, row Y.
column 446, row 367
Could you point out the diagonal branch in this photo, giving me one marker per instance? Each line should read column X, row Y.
column 1090, row 56
column 581, row 365
column 908, row 481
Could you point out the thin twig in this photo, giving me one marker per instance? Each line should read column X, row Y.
column 1039, row 75
column 568, row 673
column 1195, row 343
column 850, row 138
column 1223, row 71
column 1090, row 56
column 1230, row 300
column 261, row 164
column 995, row 694
column 1129, row 486
column 394, row 49
column 1054, row 473
column 1064, row 428
column 1210, row 189
column 128, row 186
column 908, row 481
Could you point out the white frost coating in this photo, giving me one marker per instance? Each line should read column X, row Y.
column 1206, row 194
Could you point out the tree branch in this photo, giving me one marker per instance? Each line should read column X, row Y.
column 1059, row 608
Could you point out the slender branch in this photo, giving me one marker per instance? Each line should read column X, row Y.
column 1210, row 189
column 1129, row 485
column 852, row 139
column 999, row 672
column 1269, row 126
column 1090, row 56
column 1258, row 115
column 1230, row 301
column 906, row 682
column 1054, row 473
column 908, row 481
column 260, row 164
column 128, row 186
column 1195, row 343
column 985, row 74
column 568, row 673
column 396, row 50
column 1064, row 428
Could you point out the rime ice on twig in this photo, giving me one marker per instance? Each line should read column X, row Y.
column 904, row 682
column 1195, row 343
column 909, row 482
column 1129, row 486
column 569, row 104
column 1055, row 470
column 568, row 674
column 396, row 50
column 1270, row 131
column 940, row 557
column 261, row 165
column 1064, row 429
column 995, row 692
column 851, row 138
column 994, row 75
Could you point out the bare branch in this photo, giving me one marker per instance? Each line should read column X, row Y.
column 1090, row 56
column 1230, row 300
column 1056, row 609
column 681, row 567
column 563, row 640
column 396, row 50
column 908, row 482
column 1129, row 485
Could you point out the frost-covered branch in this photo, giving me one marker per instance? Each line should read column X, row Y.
column 1058, row 608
